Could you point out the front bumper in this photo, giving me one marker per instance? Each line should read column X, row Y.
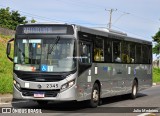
column 67, row 95
column 28, row 88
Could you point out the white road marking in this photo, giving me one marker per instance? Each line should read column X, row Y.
column 12, row 102
column 144, row 114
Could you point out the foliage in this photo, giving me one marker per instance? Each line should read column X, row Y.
column 6, row 67
column 156, row 49
column 156, row 38
column 33, row 21
column 10, row 19
column 156, row 73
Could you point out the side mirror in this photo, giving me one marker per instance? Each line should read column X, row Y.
column 9, row 49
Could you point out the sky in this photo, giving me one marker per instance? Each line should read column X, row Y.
column 137, row 18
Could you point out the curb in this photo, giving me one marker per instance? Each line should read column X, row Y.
column 6, row 99
column 154, row 84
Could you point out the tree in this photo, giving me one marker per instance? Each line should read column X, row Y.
column 10, row 19
column 156, row 38
column 33, row 21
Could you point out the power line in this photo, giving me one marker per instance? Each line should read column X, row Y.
column 130, row 32
column 50, row 19
column 124, row 13
column 102, row 7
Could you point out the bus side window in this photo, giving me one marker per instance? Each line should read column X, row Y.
column 98, row 50
column 85, row 53
column 125, row 52
column 145, row 56
column 150, row 54
column 116, row 51
column 132, row 52
column 138, row 53
column 108, row 51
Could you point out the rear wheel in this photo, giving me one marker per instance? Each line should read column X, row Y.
column 134, row 89
column 94, row 96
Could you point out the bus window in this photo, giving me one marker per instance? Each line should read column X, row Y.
column 108, row 51
column 85, row 52
column 98, row 50
column 132, row 53
column 150, row 54
column 116, row 51
column 138, row 53
column 125, row 52
column 145, row 57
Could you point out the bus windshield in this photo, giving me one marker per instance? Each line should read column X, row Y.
column 45, row 55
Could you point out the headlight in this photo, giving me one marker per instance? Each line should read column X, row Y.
column 18, row 86
column 67, row 85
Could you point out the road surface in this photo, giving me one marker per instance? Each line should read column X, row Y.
column 120, row 105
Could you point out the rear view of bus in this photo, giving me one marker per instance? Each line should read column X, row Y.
column 44, row 63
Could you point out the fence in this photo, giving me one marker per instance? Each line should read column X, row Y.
column 7, row 32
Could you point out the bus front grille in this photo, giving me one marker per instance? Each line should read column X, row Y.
column 47, row 93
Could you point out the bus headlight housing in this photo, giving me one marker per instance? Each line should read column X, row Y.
column 17, row 85
column 67, row 85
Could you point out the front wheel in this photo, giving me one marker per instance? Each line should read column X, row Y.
column 134, row 90
column 94, row 96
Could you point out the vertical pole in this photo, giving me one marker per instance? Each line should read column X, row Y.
column 110, row 17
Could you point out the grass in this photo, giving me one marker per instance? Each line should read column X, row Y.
column 156, row 75
column 5, row 67
column 5, row 37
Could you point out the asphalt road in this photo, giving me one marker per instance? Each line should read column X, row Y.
column 120, row 105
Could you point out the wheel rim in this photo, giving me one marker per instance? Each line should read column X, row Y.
column 95, row 95
column 134, row 90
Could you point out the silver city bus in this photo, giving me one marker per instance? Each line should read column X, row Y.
column 62, row 62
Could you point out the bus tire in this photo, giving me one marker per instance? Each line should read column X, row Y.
column 134, row 89
column 94, row 96
column 42, row 103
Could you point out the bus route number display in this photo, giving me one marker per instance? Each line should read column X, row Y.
column 43, row 30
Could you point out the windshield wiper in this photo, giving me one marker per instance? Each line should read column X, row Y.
column 53, row 45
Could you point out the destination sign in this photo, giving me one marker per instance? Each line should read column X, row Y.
column 43, row 30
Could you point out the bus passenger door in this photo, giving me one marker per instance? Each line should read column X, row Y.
column 84, row 70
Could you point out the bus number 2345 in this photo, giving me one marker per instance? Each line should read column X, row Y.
column 52, row 86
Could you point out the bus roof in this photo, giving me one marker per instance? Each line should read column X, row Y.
column 112, row 34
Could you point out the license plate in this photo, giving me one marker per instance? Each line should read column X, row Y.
column 39, row 95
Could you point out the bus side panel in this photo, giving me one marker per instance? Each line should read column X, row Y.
column 86, row 80
column 102, row 74
column 144, row 75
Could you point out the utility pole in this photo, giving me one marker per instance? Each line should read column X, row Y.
column 110, row 17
